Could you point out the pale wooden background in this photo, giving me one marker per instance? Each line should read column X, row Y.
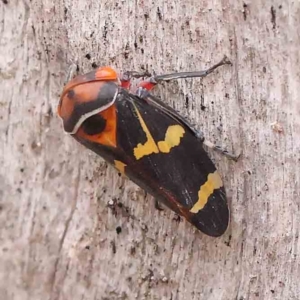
column 58, row 236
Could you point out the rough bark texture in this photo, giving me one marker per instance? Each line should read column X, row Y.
column 58, row 237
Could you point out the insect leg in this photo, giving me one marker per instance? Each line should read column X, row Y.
column 157, row 205
column 151, row 82
column 221, row 150
column 204, row 73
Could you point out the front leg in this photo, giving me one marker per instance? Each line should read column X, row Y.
column 151, row 82
column 221, row 150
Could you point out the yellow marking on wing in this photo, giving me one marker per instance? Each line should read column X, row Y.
column 120, row 166
column 213, row 182
column 149, row 147
column 172, row 138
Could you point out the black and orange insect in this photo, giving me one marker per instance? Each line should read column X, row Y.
column 148, row 141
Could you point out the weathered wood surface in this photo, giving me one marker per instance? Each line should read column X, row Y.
column 58, row 232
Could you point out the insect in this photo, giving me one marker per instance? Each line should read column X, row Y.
column 148, row 141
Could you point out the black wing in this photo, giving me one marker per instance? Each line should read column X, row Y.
column 160, row 152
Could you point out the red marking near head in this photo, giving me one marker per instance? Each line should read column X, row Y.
column 147, row 85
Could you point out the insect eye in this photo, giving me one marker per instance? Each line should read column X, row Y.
column 71, row 93
column 94, row 125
